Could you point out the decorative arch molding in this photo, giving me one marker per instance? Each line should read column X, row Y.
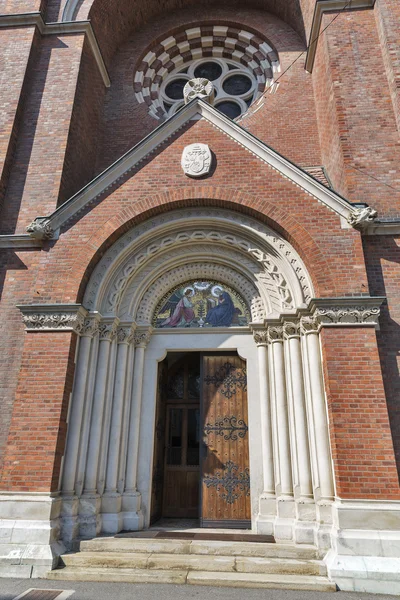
column 268, row 271
column 199, row 270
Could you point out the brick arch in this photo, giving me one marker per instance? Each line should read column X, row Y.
column 112, row 25
column 257, row 207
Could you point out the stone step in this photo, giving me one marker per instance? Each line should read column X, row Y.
column 245, row 580
column 242, row 564
column 145, row 545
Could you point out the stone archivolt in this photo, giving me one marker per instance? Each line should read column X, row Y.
column 262, row 264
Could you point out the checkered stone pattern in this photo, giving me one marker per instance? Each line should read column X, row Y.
column 192, row 44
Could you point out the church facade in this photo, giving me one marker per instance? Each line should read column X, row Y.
column 200, row 225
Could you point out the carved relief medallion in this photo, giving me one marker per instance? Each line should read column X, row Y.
column 196, row 160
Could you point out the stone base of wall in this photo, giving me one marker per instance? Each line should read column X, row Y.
column 29, row 534
column 365, row 553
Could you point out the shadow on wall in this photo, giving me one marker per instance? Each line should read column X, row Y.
column 131, row 14
column 382, row 281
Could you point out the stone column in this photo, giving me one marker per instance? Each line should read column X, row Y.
column 111, row 500
column 303, row 489
column 310, row 329
column 283, row 466
column 70, row 502
column 318, row 424
column 90, row 500
column 131, row 500
column 267, row 500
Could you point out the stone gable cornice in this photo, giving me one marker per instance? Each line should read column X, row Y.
column 47, row 227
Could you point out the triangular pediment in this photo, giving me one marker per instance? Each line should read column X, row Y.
column 195, row 110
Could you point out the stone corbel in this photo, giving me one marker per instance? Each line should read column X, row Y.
column 41, row 229
column 53, row 317
column 362, row 218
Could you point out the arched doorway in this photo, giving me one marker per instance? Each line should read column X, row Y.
column 168, row 286
column 201, row 465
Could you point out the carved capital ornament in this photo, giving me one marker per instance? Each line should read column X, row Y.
column 53, row 317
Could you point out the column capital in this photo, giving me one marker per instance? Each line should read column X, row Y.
column 108, row 330
column 53, row 317
column 142, row 337
column 275, row 333
column 291, row 329
column 261, row 336
column 90, row 326
column 126, row 334
column 309, row 325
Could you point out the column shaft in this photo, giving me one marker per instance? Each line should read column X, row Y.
column 323, row 457
column 75, row 417
column 266, row 425
column 278, row 393
column 134, row 423
column 117, row 414
column 299, row 435
column 106, row 334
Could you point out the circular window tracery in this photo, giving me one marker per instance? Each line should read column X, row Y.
column 240, row 64
column 235, row 86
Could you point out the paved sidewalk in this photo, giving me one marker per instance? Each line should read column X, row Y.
column 10, row 588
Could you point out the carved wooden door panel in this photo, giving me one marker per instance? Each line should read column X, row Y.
column 225, row 475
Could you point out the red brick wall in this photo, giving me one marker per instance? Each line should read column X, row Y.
column 13, row 83
column 38, row 427
column 387, row 13
column 383, row 267
column 356, row 90
column 17, row 286
column 83, row 138
column 35, row 176
column 286, row 121
column 113, row 27
column 362, row 447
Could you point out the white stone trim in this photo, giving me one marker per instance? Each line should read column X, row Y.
column 321, row 7
column 29, row 533
column 365, row 553
column 53, row 317
column 258, row 255
column 352, row 311
column 20, row 241
column 60, row 28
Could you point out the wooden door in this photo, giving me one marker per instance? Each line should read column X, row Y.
column 181, row 489
column 182, row 438
column 225, row 475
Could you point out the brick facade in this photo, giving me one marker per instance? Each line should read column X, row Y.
column 61, row 127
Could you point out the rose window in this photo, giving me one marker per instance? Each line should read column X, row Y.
column 240, row 65
column 235, row 87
